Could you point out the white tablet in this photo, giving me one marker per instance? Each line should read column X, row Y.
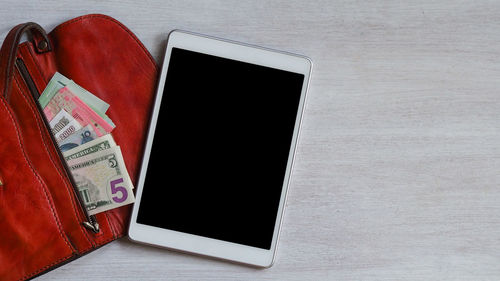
column 219, row 153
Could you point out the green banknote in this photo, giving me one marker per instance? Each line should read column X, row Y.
column 59, row 81
column 98, row 144
column 102, row 180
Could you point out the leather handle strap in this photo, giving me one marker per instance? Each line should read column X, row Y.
column 8, row 52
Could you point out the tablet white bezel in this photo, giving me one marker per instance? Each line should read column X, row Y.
column 202, row 245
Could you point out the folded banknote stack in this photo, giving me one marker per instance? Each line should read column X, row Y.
column 82, row 130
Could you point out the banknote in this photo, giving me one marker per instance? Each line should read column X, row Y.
column 78, row 120
column 59, row 121
column 84, row 135
column 64, row 124
column 98, row 144
column 59, row 81
column 66, row 132
column 65, row 99
column 56, row 83
column 101, row 180
column 95, row 103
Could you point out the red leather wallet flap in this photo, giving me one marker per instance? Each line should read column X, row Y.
column 40, row 216
column 103, row 56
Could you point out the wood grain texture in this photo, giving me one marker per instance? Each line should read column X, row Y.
column 397, row 171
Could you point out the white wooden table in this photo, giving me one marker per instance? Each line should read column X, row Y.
column 397, row 174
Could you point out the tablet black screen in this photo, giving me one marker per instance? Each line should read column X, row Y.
column 220, row 148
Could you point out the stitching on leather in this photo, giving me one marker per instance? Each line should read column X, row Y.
column 65, row 258
column 104, row 17
column 92, row 243
column 51, row 158
column 104, row 242
column 110, row 226
column 130, row 34
column 43, row 268
column 107, row 241
column 52, row 161
column 9, row 65
column 38, row 177
column 46, row 148
column 79, row 218
column 28, row 162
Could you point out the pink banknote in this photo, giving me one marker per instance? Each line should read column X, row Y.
column 65, row 99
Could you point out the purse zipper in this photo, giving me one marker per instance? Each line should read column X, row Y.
column 91, row 222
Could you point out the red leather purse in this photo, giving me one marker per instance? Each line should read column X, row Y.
column 42, row 222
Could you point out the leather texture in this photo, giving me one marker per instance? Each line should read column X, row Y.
column 10, row 47
column 40, row 216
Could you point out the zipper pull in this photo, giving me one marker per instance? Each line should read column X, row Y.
column 93, row 226
column 91, row 223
